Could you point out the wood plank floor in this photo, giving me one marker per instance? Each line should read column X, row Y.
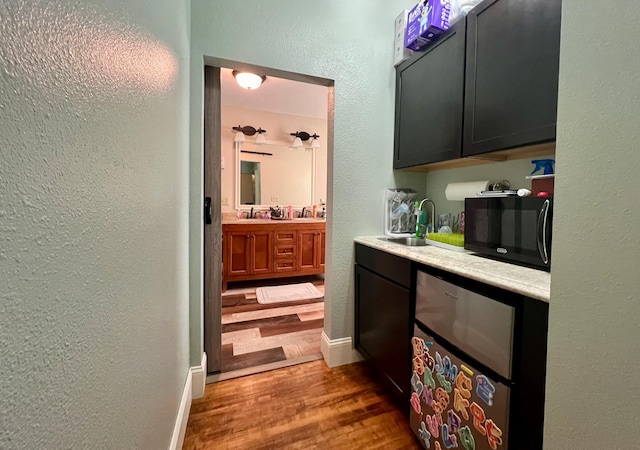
column 255, row 335
column 307, row 406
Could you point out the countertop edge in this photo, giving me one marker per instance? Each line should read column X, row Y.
column 531, row 283
column 236, row 221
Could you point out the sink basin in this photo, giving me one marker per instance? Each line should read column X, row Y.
column 409, row 241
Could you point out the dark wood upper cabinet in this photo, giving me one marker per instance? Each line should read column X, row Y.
column 511, row 78
column 489, row 83
column 429, row 101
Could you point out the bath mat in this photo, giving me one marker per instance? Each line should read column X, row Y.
column 287, row 293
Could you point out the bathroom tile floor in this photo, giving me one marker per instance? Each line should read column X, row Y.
column 258, row 337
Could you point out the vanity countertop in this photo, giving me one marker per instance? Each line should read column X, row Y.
column 521, row 280
column 243, row 221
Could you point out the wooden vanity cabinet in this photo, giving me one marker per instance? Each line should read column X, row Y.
column 311, row 249
column 249, row 252
column 261, row 250
column 285, row 250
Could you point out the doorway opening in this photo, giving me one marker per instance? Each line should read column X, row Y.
column 271, row 176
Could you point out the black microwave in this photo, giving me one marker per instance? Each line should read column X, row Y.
column 511, row 229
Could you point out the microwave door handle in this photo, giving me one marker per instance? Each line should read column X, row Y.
column 546, row 231
column 542, row 231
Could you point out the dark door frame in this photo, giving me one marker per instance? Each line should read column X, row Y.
column 213, row 220
column 212, row 263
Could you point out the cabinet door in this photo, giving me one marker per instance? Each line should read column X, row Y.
column 511, row 82
column 429, row 100
column 322, row 243
column 262, row 252
column 383, row 327
column 238, row 253
column 308, row 254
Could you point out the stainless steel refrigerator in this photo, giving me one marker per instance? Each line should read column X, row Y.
column 453, row 404
column 468, row 386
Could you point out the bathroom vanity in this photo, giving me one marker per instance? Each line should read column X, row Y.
column 255, row 249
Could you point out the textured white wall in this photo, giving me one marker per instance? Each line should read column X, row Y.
column 594, row 357
column 93, row 222
column 350, row 42
column 515, row 171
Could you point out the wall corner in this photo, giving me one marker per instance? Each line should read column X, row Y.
column 338, row 352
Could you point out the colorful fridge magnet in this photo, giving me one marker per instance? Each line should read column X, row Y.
column 416, row 384
column 460, row 403
column 449, row 439
column 428, row 379
column 494, row 434
column 478, row 418
column 466, row 438
column 434, row 426
column 485, row 389
column 425, row 435
column 415, row 403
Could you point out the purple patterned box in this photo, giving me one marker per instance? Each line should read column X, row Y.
column 425, row 22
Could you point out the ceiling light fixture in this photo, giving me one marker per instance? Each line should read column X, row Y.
column 248, row 80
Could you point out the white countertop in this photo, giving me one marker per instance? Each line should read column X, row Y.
column 521, row 280
column 235, row 220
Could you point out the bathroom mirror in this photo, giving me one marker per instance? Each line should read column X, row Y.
column 274, row 174
column 250, row 183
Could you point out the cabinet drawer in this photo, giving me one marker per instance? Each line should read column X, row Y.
column 479, row 326
column 285, row 251
column 284, row 265
column 285, row 236
column 390, row 266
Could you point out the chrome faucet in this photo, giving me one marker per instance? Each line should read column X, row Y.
column 420, row 231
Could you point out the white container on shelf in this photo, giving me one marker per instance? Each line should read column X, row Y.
column 400, row 52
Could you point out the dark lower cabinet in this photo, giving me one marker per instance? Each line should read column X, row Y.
column 429, row 99
column 511, row 76
column 383, row 319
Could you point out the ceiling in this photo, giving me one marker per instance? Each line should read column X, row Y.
column 276, row 95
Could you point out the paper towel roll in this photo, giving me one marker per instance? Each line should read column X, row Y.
column 457, row 192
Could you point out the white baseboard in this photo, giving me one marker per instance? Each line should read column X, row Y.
column 199, row 378
column 180, row 427
column 338, row 352
column 193, row 388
